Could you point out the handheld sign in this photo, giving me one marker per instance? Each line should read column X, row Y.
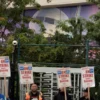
column 5, row 70
column 64, row 77
column 5, row 66
column 26, row 74
column 88, row 77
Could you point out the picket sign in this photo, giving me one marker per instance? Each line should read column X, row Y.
column 64, row 79
column 5, row 66
column 5, row 70
column 26, row 74
column 88, row 79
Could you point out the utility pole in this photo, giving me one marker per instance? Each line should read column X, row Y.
column 12, row 81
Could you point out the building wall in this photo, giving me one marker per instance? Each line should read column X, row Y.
column 50, row 16
column 57, row 3
column 60, row 2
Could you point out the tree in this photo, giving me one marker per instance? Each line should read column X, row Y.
column 93, row 31
column 74, row 27
column 74, row 30
column 93, row 27
column 14, row 25
column 55, row 54
column 73, row 34
column 97, row 2
column 12, row 19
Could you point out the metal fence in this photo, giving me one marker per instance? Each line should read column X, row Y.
column 47, row 81
column 76, row 90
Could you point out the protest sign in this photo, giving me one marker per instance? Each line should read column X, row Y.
column 5, row 66
column 88, row 77
column 26, row 74
column 64, row 77
column 5, row 71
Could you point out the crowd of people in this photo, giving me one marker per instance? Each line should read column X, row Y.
column 34, row 94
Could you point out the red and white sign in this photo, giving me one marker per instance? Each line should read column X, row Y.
column 88, row 77
column 5, row 66
column 26, row 74
column 64, row 77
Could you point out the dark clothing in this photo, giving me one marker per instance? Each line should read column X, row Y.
column 35, row 96
column 61, row 96
column 83, row 98
column 7, row 99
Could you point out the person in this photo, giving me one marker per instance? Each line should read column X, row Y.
column 85, row 95
column 34, row 94
column 61, row 96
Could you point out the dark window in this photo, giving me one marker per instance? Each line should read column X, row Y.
column 49, row 20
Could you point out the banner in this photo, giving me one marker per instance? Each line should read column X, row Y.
column 26, row 73
column 88, row 77
column 64, row 77
column 5, row 66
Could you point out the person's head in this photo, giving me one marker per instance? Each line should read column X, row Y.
column 85, row 92
column 34, row 87
column 61, row 89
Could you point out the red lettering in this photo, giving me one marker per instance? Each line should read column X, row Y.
column 2, row 61
column 87, row 75
column 3, row 65
column 28, row 77
column 25, row 68
column 22, row 72
column 25, row 72
column 63, row 80
column 87, row 71
column 4, row 70
column 61, row 76
column 87, row 80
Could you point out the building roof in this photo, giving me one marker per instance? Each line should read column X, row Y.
column 58, row 3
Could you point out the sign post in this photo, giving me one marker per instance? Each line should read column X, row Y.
column 88, row 78
column 89, row 93
column 65, row 93
column 64, row 78
column 5, row 85
column 5, row 71
column 26, row 74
